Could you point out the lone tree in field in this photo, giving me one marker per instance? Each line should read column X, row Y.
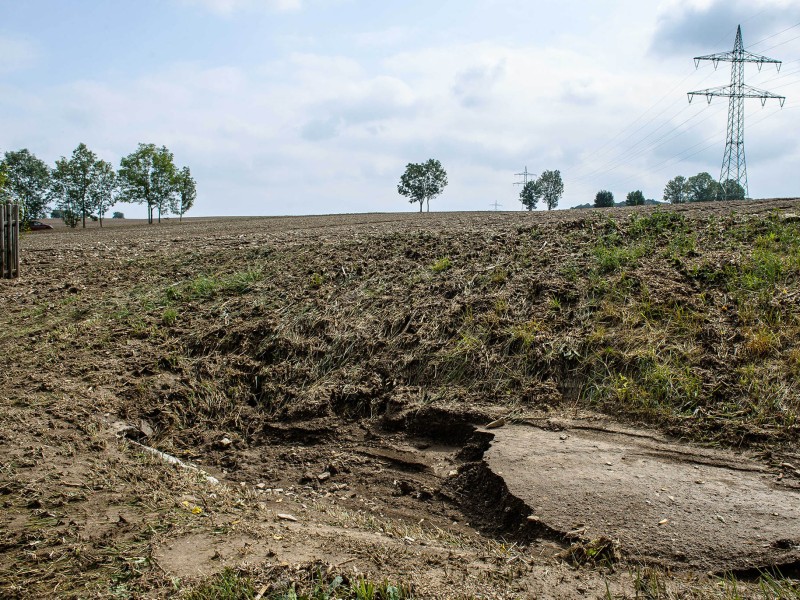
column 551, row 187
column 422, row 181
column 603, row 199
column 635, row 198
column 530, row 195
column 676, row 191
column 185, row 192
column 147, row 176
column 28, row 182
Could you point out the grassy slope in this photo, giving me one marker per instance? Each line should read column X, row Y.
column 690, row 324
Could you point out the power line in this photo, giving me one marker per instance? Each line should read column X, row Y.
column 734, row 163
column 769, row 37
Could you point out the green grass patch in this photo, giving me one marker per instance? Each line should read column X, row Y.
column 441, row 265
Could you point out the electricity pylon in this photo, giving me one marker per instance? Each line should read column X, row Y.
column 526, row 176
column 734, row 166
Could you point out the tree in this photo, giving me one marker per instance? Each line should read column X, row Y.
column 732, row 190
column 4, row 195
column 530, row 195
column 635, row 198
column 118, row 215
column 146, row 176
column 676, row 191
column 186, row 192
column 73, row 179
column 28, row 182
column 102, row 192
column 422, row 181
column 703, row 188
column 603, row 199
column 551, row 188
column 67, row 207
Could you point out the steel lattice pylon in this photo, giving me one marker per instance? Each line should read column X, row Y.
column 734, row 165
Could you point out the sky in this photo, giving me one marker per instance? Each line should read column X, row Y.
column 316, row 106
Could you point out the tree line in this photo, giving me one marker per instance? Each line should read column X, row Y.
column 679, row 190
column 84, row 185
column 421, row 182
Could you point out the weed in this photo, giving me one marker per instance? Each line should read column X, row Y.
column 760, row 344
column 793, row 361
column 656, row 223
column 611, row 258
column 202, row 287
column 315, row 281
column 570, row 272
column 525, row 334
column 501, row 307
column 499, row 276
column 441, row 265
column 226, row 585
column 169, row 317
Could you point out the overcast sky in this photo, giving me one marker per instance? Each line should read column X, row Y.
column 316, row 106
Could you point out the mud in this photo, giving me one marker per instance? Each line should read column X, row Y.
column 665, row 502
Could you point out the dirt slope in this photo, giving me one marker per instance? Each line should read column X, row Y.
column 335, row 369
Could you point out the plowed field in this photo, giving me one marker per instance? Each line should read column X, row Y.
column 594, row 403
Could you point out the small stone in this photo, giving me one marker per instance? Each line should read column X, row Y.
column 452, row 473
column 287, row 517
column 225, row 442
column 563, row 437
column 663, row 522
column 145, row 428
column 496, row 424
column 324, row 476
column 534, row 518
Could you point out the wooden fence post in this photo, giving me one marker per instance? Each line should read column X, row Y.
column 9, row 241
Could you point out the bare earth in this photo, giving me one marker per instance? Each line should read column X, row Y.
column 243, row 348
column 699, row 508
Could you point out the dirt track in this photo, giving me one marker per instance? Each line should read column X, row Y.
column 333, row 369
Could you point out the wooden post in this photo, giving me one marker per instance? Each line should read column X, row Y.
column 9, row 241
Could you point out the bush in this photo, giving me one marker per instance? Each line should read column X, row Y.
column 117, row 215
column 603, row 199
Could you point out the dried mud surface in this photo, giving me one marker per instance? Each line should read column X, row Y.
column 695, row 508
column 325, row 371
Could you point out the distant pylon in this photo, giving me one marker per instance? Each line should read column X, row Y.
column 495, row 205
column 526, row 176
column 734, row 165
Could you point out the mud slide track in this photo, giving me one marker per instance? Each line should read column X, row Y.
column 666, row 503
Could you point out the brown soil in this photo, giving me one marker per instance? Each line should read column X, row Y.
column 679, row 505
column 325, row 369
